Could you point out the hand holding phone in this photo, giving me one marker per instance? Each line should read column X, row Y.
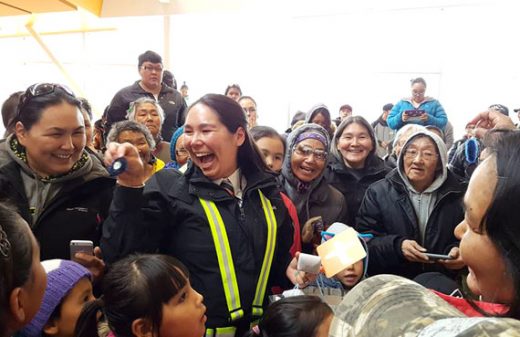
column 414, row 113
column 438, row 256
column 81, row 246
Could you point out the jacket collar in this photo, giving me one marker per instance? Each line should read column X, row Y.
column 199, row 185
column 452, row 184
column 374, row 165
column 136, row 88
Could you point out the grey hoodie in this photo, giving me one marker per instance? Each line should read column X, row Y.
column 424, row 202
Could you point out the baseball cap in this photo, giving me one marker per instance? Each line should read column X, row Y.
column 390, row 306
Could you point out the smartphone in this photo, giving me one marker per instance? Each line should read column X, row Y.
column 414, row 113
column 438, row 256
column 83, row 246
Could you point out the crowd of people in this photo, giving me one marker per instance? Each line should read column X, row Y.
column 197, row 214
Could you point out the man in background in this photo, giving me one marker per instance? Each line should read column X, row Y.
column 150, row 69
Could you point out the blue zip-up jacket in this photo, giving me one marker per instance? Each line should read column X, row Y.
column 436, row 114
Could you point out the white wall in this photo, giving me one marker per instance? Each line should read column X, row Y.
column 291, row 55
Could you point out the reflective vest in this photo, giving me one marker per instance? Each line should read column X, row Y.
column 227, row 267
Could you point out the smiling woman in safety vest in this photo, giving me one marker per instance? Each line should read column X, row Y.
column 224, row 218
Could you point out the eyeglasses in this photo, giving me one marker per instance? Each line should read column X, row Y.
column 418, row 93
column 41, row 89
column 307, row 151
column 149, row 68
column 426, row 155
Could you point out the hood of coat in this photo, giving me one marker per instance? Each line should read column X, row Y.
column 441, row 171
column 322, row 108
column 292, row 141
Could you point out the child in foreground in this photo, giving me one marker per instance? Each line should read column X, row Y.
column 69, row 287
column 146, row 295
column 298, row 316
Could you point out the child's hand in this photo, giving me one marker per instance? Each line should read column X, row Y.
column 300, row 278
column 404, row 117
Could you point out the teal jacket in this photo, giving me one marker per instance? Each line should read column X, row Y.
column 436, row 114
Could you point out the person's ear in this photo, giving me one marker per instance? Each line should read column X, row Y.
column 16, row 304
column 142, row 328
column 240, row 136
column 21, row 132
column 51, row 328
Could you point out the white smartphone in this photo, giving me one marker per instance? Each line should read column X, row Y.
column 83, row 246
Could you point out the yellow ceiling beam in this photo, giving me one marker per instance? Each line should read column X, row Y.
column 72, row 83
column 59, row 32
column 93, row 6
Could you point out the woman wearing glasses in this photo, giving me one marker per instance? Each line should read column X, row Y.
column 223, row 218
column 58, row 187
column 414, row 211
column 318, row 204
column 417, row 109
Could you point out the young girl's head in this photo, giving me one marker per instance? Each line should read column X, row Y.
column 356, row 272
column 147, row 295
column 271, row 144
column 297, row 316
column 22, row 278
column 69, row 287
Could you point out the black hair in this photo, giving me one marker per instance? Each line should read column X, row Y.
column 134, row 287
column 233, row 86
column 418, row 80
column 9, row 109
column 388, row 107
column 298, row 116
column 16, row 257
column 260, row 131
column 500, row 108
column 247, row 97
column 296, row 316
column 169, row 79
column 149, row 56
column 345, row 107
column 85, row 106
column 500, row 221
column 184, row 86
column 231, row 114
column 30, row 108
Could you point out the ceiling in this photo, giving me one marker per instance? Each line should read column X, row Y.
column 113, row 8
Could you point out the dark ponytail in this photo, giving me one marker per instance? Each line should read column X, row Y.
column 87, row 324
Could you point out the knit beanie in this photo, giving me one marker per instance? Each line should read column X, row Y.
column 173, row 141
column 62, row 276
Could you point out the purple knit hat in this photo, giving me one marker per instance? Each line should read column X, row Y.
column 62, row 276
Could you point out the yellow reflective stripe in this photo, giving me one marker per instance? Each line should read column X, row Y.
column 268, row 256
column 225, row 260
column 228, row 331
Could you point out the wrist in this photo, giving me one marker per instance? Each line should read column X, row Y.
column 131, row 184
